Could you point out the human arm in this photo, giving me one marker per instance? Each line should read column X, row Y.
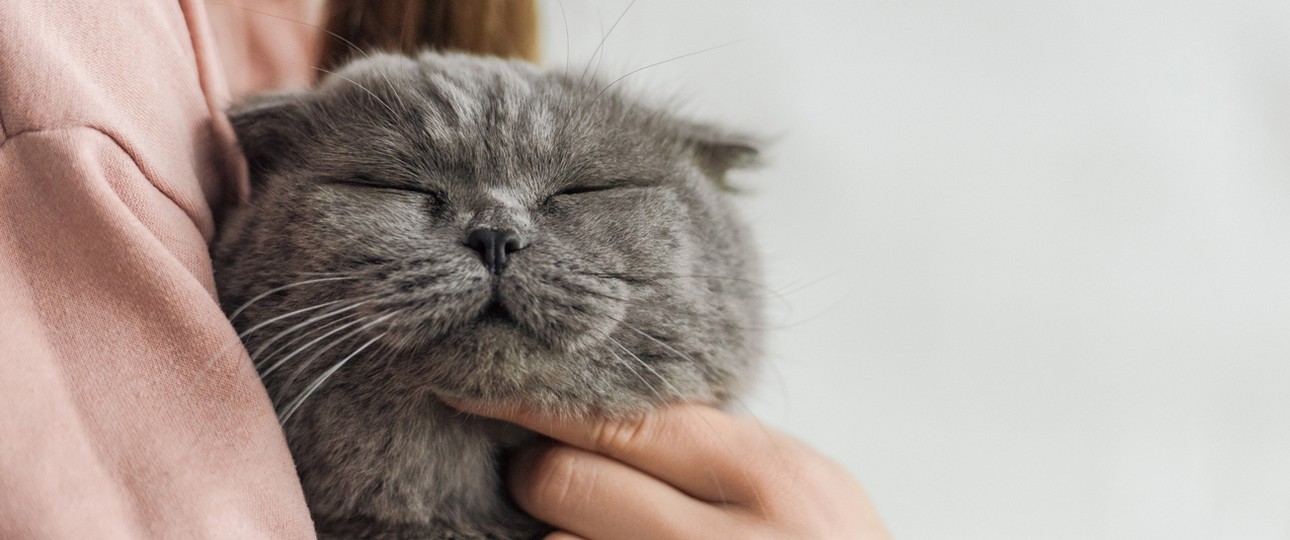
column 127, row 407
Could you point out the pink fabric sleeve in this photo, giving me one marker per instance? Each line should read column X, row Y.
column 119, row 416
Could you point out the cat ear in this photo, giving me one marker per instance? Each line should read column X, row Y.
column 269, row 129
column 716, row 152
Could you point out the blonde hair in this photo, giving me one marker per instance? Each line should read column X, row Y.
column 506, row 28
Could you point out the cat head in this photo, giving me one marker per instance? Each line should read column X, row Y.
column 480, row 229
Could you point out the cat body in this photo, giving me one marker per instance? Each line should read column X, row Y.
column 454, row 226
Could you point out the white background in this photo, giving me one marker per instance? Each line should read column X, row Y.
column 1032, row 257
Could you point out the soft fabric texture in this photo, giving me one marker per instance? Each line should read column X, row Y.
column 127, row 407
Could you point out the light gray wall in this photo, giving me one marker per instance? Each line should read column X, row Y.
column 1032, row 259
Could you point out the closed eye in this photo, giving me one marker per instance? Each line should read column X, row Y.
column 590, row 188
column 370, row 183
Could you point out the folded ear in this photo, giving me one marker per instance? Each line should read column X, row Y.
column 270, row 129
column 715, row 152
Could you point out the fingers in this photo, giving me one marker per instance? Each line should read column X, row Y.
column 702, row 451
column 591, row 496
column 654, row 476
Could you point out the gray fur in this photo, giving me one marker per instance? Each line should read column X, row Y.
column 625, row 299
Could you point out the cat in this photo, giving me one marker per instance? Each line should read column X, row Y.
column 445, row 225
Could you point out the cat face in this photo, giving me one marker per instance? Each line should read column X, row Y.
column 476, row 228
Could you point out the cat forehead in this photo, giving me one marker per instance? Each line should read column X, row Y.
column 485, row 118
column 457, row 92
column 458, row 89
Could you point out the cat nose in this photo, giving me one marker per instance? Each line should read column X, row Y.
column 495, row 246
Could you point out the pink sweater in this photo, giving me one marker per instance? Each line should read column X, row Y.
column 127, row 407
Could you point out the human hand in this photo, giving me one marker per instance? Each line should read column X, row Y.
column 683, row 472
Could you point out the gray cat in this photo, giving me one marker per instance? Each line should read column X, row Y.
column 448, row 225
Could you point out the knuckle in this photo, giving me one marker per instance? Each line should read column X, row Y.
column 558, row 478
column 612, row 436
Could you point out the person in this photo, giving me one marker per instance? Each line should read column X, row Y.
column 126, row 412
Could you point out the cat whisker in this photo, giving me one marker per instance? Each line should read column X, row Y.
column 233, row 344
column 393, row 114
column 668, row 275
column 565, row 18
column 659, row 63
column 711, row 472
column 358, row 271
column 288, row 314
column 302, row 348
column 633, row 371
column 675, row 391
column 320, row 29
column 596, row 72
column 797, row 285
column 692, row 361
column 280, row 335
column 323, row 31
column 603, row 39
column 318, row 382
column 583, row 290
column 711, row 370
column 393, row 89
column 407, row 20
column 597, row 56
column 265, row 294
column 307, row 334
column 781, row 294
column 369, row 323
column 324, row 274
column 242, row 336
column 769, row 292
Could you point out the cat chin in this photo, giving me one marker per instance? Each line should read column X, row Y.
column 481, row 327
column 582, row 368
column 622, row 405
column 513, row 374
